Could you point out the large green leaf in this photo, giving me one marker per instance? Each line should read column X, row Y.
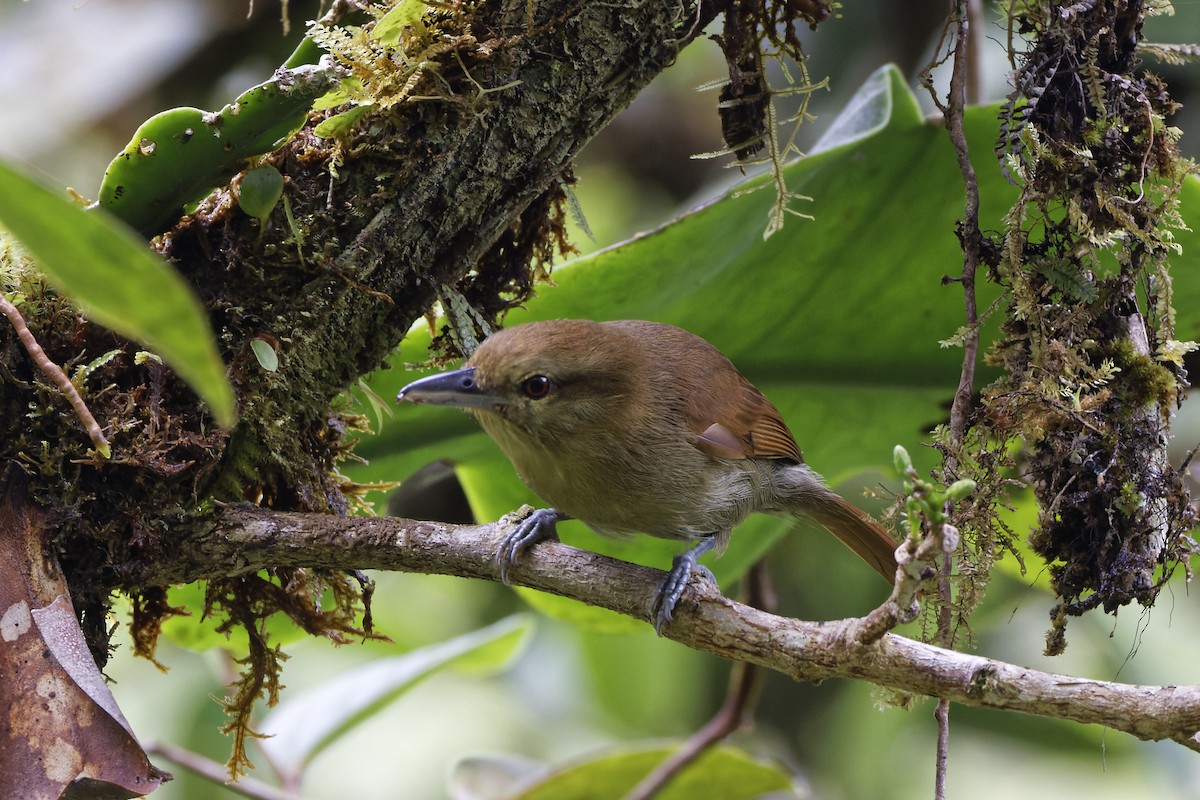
column 722, row 773
column 106, row 268
column 304, row 725
column 836, row 319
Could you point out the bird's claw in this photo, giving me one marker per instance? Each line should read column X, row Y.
column 539, row 526
column 668, row 593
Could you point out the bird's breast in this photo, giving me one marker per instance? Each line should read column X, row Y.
column 670, row 490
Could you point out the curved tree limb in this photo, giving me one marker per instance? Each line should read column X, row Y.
column 240, row 540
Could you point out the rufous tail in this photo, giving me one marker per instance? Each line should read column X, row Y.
column 867, row 538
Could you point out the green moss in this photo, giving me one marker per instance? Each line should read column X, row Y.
column 1143, row 379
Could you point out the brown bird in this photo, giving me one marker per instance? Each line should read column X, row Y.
column 634, row 426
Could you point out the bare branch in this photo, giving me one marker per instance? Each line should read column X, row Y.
column 971, row 237
column 246, row 539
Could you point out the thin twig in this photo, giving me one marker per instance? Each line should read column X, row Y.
column 960, row 78
column 942, row 715
column 964, row 84
column 55, row 374
column 745, row 681
column 970, row 234
column 974, row 88
column 216, row 773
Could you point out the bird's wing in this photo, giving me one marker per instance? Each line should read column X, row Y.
column 742, row 424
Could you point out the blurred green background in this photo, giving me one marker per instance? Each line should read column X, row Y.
column 76, row 80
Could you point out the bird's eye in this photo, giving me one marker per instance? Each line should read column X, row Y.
column 536, row 387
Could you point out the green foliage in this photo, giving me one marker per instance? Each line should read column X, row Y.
column 837, row 319
column 100, row 264
column 303, row 726
column 405, row 14
column 265, row 354
column 177, row 157
column 925, row 501
column 723, row 773
column 340, row 123
column 259, row 191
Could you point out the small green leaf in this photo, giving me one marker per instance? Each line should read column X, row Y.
column 340, row 123
column 379, row 407
column 406, row 14
column 259, row 191
column 303, row 726
column 100, row 264
column 348, row 90
column 81, row 373
column 264, row 353
column 901, row 459
column 1075, row 286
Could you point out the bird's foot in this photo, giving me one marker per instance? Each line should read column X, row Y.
column 667, row 595
column 539, row 526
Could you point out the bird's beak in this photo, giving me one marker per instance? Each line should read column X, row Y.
column 457, row 388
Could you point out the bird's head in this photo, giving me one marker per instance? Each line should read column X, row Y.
column 548, row 381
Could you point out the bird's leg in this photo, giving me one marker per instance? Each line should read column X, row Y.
column 539, row 526
column 671, row 589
